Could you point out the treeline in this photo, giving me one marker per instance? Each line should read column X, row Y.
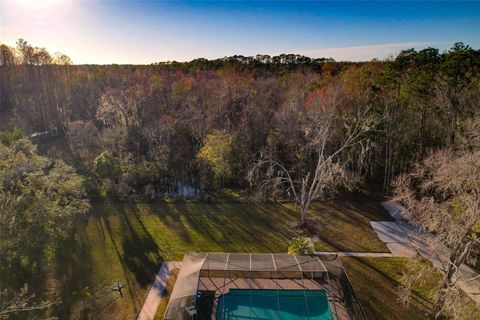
column 198, row 126
column 258, row 64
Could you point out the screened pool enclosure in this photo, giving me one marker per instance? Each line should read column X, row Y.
column 262, row 285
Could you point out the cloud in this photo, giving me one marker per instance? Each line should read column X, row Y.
column 365, row 53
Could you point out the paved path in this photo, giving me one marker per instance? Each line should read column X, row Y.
column 358, row 254
column 389, row 231
column 154, row 296
column 392, row 235
column 394, row 238
column 419, row 240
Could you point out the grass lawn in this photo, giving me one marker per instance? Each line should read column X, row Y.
column 376, row 281
column 127, row 242
column 344, row 225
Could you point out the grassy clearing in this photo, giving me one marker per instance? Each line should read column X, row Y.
column 375, row 281
column 127, row 242
column 344, row 225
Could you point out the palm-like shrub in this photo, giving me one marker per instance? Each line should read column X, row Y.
column 299, row 245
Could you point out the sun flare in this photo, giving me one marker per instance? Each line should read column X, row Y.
column 36, row 4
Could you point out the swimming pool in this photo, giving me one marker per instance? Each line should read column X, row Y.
column 274, row 304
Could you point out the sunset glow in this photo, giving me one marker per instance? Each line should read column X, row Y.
column 145, row 32
column 35, row 4
column 281, row 147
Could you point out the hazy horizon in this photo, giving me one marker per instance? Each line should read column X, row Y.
column 128, row 32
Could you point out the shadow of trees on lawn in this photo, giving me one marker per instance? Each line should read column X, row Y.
column 72, row 269
column 376, row 284
column 123, row 230
column 120, row 242
column 227, row 226
column 344, row 224
column 140, row 253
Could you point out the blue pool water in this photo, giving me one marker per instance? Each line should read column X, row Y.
column 272, row 304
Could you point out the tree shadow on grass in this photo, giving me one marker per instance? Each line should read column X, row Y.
column 140, row 251
column 238, row 226
column 344, row 224
column 366, row 205
column 378, row 290
column 130, row 283
column 225, row 226
column 73, row 269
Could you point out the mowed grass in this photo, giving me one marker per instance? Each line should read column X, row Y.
column 376, row 284
column 344, row 224
column 127, row 242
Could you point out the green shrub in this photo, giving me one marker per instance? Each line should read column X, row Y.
column 299, row 245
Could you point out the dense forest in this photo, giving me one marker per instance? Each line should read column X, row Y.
column 150, row 123
column 190, row 129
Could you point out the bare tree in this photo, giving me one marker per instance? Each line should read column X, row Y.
column 120, row 107
column 96, row 301
column 331, row 138
column 21, row 303
column 442, row 196
column 470, row 138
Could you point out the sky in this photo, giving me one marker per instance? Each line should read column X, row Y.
column 143, row 32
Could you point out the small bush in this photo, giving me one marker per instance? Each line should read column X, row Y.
column 300, row 245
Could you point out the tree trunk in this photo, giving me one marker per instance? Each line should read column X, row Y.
column 303, row 212
column 453, row 125
column 457, row 257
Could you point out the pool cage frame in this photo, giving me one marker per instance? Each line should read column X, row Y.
column 324, row 269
